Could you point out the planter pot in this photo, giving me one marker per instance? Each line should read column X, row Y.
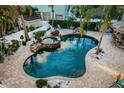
column 23, row 43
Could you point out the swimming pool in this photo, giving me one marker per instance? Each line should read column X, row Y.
column 67, row 61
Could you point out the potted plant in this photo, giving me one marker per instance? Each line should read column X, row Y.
column 55, row 33
column 22, row 38
column 38, row 35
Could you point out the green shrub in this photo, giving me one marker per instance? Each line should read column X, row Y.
column 39, row 33
column 31, row 28
column 41, row 83
column 70, row 21
column 21, row 37
column 66, row 24
column 55, row 33
column 14, row 46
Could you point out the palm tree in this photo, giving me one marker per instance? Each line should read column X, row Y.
column 84, row 12
column 19, row 12
column 109, row 12
column 27, row 10
column 7, row 16
column 10, row 14
column 52, row 8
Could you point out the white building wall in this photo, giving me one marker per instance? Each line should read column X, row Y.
column 35, row 23
column 58, row 10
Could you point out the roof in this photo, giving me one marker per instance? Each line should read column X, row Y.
column 30, row 18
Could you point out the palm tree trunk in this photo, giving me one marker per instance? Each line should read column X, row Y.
column 18, row 9
column 4, row 28
column 99, row 44
column 25, row 28
column 52, row 15
column 1, row 35
column 81, row 27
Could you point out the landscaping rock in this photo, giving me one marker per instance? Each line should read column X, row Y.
column 59, row 83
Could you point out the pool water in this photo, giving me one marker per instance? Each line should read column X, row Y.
column 67, row 61
column 48, row 41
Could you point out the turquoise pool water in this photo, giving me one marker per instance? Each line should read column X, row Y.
column 67, row 61
column 48, row 41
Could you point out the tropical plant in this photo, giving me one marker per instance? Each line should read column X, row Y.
column 28, row 10
column 22, row 37
column 19, row 12
column 70, row 21
column 14, row 46
column 10, row 14
column 55, row 33
column 38, row 35
column 84, row 12
column 41, row 83
column 109, row 12
column 31, row 28
column 7, row 18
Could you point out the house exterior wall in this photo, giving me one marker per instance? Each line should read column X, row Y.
column 58, row 10
column 122, row 17
column 60, row 13
column 35, row 23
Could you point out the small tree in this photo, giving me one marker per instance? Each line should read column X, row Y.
column 38, row 35
column 18, row 9
column 109, row 12
column 22, row 38
column 84, row 12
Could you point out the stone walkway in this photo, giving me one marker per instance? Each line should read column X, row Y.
column 100, row 73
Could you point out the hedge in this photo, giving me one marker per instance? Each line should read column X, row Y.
column 92, row 26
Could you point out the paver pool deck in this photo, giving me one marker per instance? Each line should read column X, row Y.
column 99, row 73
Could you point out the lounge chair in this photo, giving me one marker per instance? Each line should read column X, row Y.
column 118, row 83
